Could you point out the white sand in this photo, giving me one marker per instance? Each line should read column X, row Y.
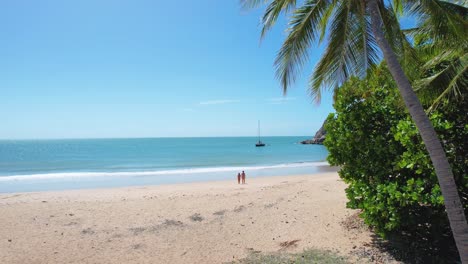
column 211, row 222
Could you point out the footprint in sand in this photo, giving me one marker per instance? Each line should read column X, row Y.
column 87, row 231
column 138, row 246
column 220, row 213
column 239, row 209
column 196, row 217
column 137, row 230
column 289, row 244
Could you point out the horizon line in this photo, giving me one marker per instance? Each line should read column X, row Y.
column 91, row 138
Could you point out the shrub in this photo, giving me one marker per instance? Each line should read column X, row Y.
column 384, row 162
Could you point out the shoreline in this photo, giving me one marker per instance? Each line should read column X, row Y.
column 188, row 186
column 108, row 180
column 205, row 222
column 193, row 170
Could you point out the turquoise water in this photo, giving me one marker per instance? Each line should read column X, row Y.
column 36, row 165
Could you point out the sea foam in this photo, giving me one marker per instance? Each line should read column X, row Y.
column 70, row 175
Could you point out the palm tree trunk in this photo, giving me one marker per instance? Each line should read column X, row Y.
column 443, row 170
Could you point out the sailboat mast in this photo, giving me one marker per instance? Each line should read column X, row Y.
column 258, row 130
column 259, row 143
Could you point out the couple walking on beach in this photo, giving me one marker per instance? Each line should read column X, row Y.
column 241, row 176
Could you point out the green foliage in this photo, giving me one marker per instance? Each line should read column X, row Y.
column 440, row 69
column 384, row 161
column 345, row 25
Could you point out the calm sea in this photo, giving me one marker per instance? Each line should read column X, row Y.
column 37, row 165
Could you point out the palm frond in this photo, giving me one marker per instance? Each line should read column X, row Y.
column 249, row 4
column 273, row 11
column 352, row 51
column 391, row 28
column 409, row 58
column 437, row 59
column 447, row 79
column 334, row 65
column 302, row 32
column 410, row 31
column 445, row 21
column 457, row 88
column 398, row 6
column 444, row 73
column 325, row 19
column 363, row 41
column 397, row 37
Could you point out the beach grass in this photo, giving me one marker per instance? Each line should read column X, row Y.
column 306, row 256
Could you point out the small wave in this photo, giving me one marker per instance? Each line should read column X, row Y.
column 69, row 175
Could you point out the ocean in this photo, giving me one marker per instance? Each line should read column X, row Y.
column 43, row 165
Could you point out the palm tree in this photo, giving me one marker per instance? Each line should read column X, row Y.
column 443, row 71
column 355, row 29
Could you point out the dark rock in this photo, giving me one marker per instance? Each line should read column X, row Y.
column 318, row 138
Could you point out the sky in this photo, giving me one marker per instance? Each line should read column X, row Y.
column 137, row 68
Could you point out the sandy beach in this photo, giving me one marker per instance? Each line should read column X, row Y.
column 210, row 222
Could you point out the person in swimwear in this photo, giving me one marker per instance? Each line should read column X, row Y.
column 238, row 178
column 243, row 177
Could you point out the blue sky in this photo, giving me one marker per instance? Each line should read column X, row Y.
column 93, row 69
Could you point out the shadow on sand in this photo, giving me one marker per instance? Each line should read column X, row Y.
column 421, row 246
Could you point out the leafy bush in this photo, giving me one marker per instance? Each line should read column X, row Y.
column 383, row 160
